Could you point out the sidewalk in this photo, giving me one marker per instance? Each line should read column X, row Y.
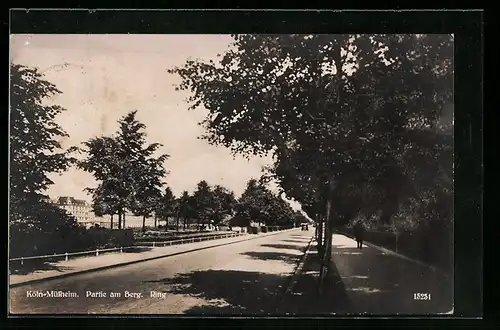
column 371, row 280
column 379, row 281
column 109, row 260
column 303, row 299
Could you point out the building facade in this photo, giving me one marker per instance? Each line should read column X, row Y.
column 85, row 216
column 78, row 208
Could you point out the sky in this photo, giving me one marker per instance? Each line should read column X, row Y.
column 103, row 77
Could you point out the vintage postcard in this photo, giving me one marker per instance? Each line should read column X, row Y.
column 247, row 174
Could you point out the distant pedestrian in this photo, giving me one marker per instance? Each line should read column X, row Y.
column 359, row 233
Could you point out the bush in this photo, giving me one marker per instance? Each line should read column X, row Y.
column 28, row 241
column 119, row 238
column 252, row 230
column 25, row 243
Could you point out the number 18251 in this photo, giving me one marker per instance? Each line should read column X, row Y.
column 421, row 296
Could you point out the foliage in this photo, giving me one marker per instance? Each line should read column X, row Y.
column 187, row 207
column 129, row 174
column 143, row 173
column 259, row 204
column 35, row 153
column 356, row 111
column 45, row 226
column 35, row 150
column 223, row 203
column 167, row 205
column 105, row 201
column 203, row 202
column 103, row 163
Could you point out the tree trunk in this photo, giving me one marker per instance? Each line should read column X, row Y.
column 119, row 220
column 111, row 222
column 328, row 237
column 324, row 257
column 123, row 225
column 320, row 235
column 177, row 222
column 156, row 223
column 327, row 256
column 143, row 223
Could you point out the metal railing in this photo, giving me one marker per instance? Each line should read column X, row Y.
column 96, row 252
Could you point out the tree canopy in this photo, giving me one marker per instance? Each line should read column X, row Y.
column 35, row 148
column 35, row 153
column 223, row 204
column 258, row 204
column 167, row 206
column 130, row 174
column 359, row 111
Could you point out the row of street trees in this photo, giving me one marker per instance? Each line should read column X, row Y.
column 357, row 124
column 218, row 205
column 260, row 205
column 207, row 205
column 129, row 173
column 131, row 178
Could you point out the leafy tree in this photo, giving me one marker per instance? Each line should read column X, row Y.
column 342, row 115
column 280, row 212
column 146, row 202
column 128, row 166
column 148, row 194
column 103, row 162
column 377, row 101
column 203, row 197
column 35, row 150
column 104, row 200
column 250, row 204
column 35, row 153
column 187, row 208
column 168, row 206
column 261, row 205
column 222, row 204
column 143, row 172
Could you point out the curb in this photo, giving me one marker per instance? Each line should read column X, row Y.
column 85, row 271
column 387, row 251
column 296, row 273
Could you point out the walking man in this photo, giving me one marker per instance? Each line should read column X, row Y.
column 359, row 233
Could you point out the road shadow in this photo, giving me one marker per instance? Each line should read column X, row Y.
column 304, row 298
column 284, row 257
column 285, row 246
column 36, row 266
column 227, row 292
column 294, row 240
column 299, row 236
column 380, row 283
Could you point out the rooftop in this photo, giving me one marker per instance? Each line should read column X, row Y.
column 70, row 200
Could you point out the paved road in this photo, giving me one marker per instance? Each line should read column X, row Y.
column 77, row 265
column 243, row 278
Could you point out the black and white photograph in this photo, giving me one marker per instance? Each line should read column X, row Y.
column 231, row 174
